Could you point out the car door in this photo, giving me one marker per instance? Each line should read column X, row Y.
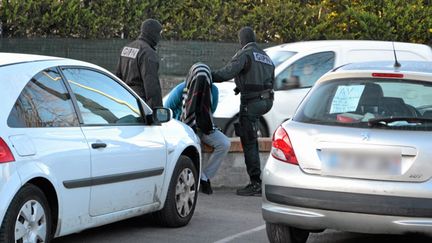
column 128, row 157
column 46, row 135
column 292, row 84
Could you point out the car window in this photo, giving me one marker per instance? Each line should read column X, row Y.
column 305, row 71
column 357, row 102
column 101, row 99
column 279, row 57
column 44, row 102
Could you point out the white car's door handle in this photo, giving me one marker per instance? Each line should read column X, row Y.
column 98, row 145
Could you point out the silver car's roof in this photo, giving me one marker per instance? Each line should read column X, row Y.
column 406, row 66
column 414, row 70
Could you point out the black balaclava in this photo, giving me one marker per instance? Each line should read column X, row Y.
column 246, row 35
column 151, row 32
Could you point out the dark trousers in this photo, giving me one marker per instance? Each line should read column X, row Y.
column 250, row 112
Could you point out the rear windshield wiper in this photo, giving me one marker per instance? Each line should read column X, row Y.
column 402, row 121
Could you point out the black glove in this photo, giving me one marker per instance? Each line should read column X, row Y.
column 236, row 91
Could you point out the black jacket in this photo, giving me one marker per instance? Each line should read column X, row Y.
column 138, row 66
column 251, row 68
column 197, row 99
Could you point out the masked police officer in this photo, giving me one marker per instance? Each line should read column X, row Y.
column 138, row 65
column 253, row 71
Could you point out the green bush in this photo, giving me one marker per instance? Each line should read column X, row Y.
column 275, row 21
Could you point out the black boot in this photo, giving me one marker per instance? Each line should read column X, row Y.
column 253, row 189
column 206, row 187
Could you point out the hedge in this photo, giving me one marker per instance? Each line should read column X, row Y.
column 275, row 21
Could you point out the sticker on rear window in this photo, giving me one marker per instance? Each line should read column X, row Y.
column 346, row 99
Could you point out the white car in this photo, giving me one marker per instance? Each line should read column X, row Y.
column 355, row 157
column 79, row 149
column 299, row 65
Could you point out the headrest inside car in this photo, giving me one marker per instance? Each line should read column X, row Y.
column 369, row 99
column 427, row 114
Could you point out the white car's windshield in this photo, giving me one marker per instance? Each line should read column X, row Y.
column 279, row 57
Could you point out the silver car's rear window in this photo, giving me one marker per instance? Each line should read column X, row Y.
column 369, row 102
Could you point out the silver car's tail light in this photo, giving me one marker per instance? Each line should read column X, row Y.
column 5, row 153
column 281, row 147
column 387, row 75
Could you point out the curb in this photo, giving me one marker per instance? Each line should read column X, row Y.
column 232, row 172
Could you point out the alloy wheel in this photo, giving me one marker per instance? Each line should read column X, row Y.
column 185, row 192
column 31, row 224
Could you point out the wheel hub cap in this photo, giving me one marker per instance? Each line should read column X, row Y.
column 185, row 192
column 31, row 225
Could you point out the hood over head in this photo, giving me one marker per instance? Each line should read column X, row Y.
column 246, row 35
column 151, row 32
column 199, row 69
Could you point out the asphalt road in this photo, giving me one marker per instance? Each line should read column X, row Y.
column 222, row 217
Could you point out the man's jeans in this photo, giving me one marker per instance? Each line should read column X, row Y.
column 221, row 145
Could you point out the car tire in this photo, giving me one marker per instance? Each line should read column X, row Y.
column 279, row 233
column 28, row 217
column 262, row 128
column 181, row 197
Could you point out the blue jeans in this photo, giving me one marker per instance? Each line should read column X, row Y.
column 221, row 145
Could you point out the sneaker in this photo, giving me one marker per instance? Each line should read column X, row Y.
column 206, row 187
column 253, row 189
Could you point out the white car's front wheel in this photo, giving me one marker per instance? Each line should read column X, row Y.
column 185, row 192
column 28, row 218
column 182, row 195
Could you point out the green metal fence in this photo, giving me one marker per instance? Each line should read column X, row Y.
column 176, row 56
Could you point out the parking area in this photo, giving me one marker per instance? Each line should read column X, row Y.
column 221, row 217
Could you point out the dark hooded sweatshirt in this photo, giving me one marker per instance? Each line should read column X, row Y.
column 138, row 65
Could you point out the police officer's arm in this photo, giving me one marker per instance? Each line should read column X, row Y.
column 232, row 69
column 149, row 74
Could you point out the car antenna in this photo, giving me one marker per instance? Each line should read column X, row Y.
column 396, row 64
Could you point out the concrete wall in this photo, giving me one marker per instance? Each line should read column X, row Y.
column 232, row 172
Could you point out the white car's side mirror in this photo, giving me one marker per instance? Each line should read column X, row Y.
column 161, row 114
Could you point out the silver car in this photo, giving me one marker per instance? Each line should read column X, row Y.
column 357, row 155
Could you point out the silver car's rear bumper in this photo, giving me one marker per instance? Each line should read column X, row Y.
column 315, row 202
column 316, row 219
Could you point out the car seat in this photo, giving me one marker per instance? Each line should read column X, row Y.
column 427, row 114
column 368, row 102
column 394, row 106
